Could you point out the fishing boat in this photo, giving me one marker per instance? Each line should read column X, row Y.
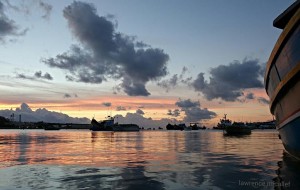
column 237, row 128
column 223, row 123
column 110, row 125
column 282, row 79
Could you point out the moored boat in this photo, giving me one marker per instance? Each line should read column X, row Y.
column 223, row 123
column 110, row 125
column 237, row 128
column 282, row 79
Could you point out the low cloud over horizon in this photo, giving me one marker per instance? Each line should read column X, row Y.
column 41, row 114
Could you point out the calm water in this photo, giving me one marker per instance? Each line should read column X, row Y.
column 80, row 159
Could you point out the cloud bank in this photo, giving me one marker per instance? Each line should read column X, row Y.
column 227, row 82
column 107, row 54
column 140, row 120
column 41, row 114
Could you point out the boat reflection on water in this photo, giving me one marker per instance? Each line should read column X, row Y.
column 287, row 173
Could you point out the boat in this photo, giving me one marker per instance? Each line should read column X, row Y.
column 180, row 126
column 223, row 123
column 282, row 79
column 237, row 128
column 110, row 125
column 195, row 126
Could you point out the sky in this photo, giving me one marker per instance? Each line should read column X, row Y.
column 146, row 62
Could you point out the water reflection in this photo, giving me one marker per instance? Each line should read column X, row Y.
column 288, row 174
column 143, row 160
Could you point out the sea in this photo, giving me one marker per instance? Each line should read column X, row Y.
column 188, row 160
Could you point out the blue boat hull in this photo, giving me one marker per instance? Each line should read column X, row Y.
column 290, row 135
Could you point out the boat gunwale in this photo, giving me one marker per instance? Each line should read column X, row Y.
column 283, row 38
column 280, row 87
column 288, row 119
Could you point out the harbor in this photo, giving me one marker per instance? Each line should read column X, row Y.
column 202, row 159
column 149, row 95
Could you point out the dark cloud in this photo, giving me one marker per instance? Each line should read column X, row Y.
column 228, row 81
column 67, row 95
column 139, row 111
column 263, row 100
column 107, row 53
column 8, row 27
column 250, row 96
column 106, row 104
column 193, row 111
column 120, row 108
column 187, row 103
column 46, row 76
column 174, row 113
column 37, row 75
column 41, row 114
column 175, row 80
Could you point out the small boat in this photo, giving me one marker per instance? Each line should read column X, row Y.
column 282, row 79
column 237, row 128
column 224, row 122
column 110, row 125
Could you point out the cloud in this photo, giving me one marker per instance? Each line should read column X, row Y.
column 193, row 111
column 107, row 53
column 141, row 121
column 263, row 100
column 227, row 82
column 46, row 76
column 175, row 80
column 67, row 95
column 250, row 96
column 106, row 104
column 174, row 113
column 8, row 27
column 41, row 114
column 187, row 103
column 120, row 108
column 37, row 75
column 47, row 8
column 139, row 111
